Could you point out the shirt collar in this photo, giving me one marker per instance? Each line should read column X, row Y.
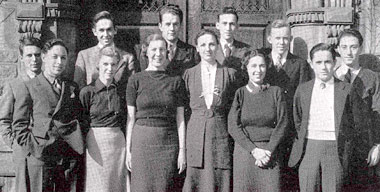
column 283, row 56
column 99, row 86
column 328, row 83
column 100, row 46
column 223, row 42
column 255, row 88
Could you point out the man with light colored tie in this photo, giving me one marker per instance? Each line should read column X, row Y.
column 366, row 109
column 324, row 123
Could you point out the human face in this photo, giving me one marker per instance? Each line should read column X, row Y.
column 107, row 67
column 55, row 61
column 323, row 65
column 156, row 54
column 227, row 26
column 170, row 26
column 31, row 59
column 280, row 39
column 349, row 50
column 206, row 46
column 104, row 31
column 256, row 69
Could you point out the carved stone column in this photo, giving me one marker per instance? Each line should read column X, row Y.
column 318, row 21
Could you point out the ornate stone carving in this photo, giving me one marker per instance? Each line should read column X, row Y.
column 333, row 32
column 241, row 6
column 59, row 10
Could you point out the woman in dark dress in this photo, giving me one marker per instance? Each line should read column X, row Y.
column 155, row 127
column 105, row 141
column 210, row 88
column 257, row 122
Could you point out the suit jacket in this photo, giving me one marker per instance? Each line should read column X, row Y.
column 365, row 97
column 54, row 116
column 7, row 100
column 344, row 129
column 216, row 117
column 87, row 61
column 184, row 58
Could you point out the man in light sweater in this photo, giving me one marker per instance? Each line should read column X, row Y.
column 323, row 120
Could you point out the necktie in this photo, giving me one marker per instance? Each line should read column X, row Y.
column 322, row 85
column 227, row 50
column 57, row 86
column 171, row 52
column 278, row 63
column 347, row 77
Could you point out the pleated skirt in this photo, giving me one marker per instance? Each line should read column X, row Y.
column 154, row 159
column 105, row 160
column 247, row 177
column 208, row 178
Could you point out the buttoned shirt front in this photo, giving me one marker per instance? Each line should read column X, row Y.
column 208, row 82
column 224, row 43
column 282, row 60
column 321, row 115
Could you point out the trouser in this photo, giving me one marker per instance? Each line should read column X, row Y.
column 321, row 157
column 19, row 161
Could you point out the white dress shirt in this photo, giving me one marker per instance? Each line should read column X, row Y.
column 208, row 83
column 223, row 43
column 321, row 115
column 275, row 57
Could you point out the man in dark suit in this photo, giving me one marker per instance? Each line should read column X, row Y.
column 286, row 71
column 323, row 120
column 180, row 54
column 366, row 108
column 85, row 67
column 54, row 144
column 30, row 59
column 230, row 51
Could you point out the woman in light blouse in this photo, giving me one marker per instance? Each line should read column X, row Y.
column 257, row 121
column 155, row 127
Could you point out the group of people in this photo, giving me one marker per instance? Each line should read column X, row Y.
column 219, row 116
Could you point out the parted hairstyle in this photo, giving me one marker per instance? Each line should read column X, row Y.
column 204, row 32
column 323, row 47
column 253, row 53
column 110, row 52
column 278, row 23
column 102, row 15
column 28, row 41
column 172, row 9
column 228, row 10
column 352, row 33
column 51, row 43
column 150, row 38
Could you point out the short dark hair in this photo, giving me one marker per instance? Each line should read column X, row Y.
column 172, row 9
column 352, row 33
column 51, row 43
column 322, row 47
column 204, row 32
column 102, row 15
column 253, row 53
column 28, row 41
column 278, row 23
column 228, row 10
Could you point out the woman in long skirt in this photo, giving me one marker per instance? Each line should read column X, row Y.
column 209, row 147
column 105, row 141
column 155, row 127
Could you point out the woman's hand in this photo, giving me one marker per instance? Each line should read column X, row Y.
column 262, row 156
column 181, row 162
column 128, row 161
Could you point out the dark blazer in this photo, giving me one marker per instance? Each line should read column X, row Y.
column 201, row 117
column 344, row 129
column 237, row 54
column 53, row 117
column 366, row 110
column 87, row 61
column 184, row 58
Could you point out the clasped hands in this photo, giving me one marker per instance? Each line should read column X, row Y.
column 373, row 156
column 262, row 156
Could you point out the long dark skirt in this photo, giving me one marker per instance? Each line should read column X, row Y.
column 249, row 177
column 154, row 158
column 208, row 178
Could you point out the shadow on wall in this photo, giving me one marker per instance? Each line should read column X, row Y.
column 300, row 48
column 370, row 61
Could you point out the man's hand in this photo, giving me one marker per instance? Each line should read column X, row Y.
column 373, row 156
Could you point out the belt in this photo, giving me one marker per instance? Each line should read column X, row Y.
column 208, row 112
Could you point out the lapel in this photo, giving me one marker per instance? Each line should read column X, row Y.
column 65, row 90
column 307, row 99
column 47, row 91
column 198, row 81
column 235, row 48
column 340, row 96
column 219, row 83
column 219, row 54
column 180, row 52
